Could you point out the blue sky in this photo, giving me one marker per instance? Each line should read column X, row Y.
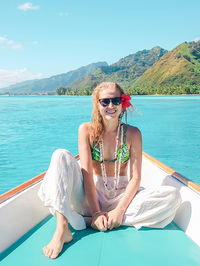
column 42, row 38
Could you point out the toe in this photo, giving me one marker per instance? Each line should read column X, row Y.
column 45, row 251
column 49, row 253
column 54, row 255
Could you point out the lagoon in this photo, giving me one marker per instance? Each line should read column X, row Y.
column 32, row 127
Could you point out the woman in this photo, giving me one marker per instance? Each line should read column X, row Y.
column 102, row 193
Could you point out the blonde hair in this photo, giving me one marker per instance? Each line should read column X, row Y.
column 97, row 122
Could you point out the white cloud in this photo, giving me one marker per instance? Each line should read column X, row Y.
column 63, row 14
column 196, row 39
column 9, row 77
column 10, row 42
column 17, row 46
column 4, row 41
column 27, row 6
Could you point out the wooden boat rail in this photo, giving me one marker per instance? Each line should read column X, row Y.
column 175, row 174
column 38, row 178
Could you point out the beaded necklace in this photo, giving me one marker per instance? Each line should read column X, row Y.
column 111, row 192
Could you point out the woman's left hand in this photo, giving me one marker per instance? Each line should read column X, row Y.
column 115, row 218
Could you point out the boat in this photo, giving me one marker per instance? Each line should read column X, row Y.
column 26, row 226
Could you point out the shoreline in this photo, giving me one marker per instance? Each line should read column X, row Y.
column 6, row 95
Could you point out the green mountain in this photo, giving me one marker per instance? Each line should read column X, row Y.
column 124, row 72
column 154, row 71
column 177, row 72
column 50, row 84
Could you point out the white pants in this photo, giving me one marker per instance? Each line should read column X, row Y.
column 62, row 191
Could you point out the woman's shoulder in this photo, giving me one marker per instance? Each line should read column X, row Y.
column 85, row 128
column 133, row 134
column 133, row 130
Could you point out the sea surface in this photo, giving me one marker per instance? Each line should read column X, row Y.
column 32, row 127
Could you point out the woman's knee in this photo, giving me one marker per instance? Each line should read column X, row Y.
column 59, row 153
column 62, row 159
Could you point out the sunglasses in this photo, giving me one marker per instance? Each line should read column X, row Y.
column 106, row 101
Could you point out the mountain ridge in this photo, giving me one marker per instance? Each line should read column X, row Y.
column 178, row 71
column 50, row 84
column 154, row 71
column 124, row 71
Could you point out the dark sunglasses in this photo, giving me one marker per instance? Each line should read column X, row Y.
column 106, row 101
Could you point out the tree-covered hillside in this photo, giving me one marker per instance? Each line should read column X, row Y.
column 177, row 72
column 124, row 72
column 153, row 71
column 49, row 85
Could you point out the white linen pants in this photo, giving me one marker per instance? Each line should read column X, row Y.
column 62, row 190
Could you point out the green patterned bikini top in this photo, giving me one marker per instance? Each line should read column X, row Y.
column 124, row 150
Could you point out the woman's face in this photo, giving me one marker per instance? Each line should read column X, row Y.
column 111, row 111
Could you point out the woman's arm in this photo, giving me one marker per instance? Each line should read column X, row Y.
column 99, row 220
column 86, row 167
column 116, row 215
column 135, row 170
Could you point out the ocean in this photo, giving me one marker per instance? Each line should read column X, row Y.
column 32, row 127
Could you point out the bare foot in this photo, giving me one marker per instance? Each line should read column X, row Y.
column 55, row 246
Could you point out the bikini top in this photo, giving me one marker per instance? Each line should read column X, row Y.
column 122, row 150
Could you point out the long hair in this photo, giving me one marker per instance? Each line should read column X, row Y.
column 97, row 121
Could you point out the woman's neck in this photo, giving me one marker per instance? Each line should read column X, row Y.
column 110, row 126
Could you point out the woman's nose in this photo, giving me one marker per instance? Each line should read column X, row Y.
column 110, row 104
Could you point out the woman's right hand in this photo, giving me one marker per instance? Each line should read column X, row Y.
column 100, row 222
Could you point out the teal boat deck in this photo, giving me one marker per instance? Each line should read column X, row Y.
column 123, row 246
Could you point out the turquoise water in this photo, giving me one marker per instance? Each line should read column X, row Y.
column 31, row 128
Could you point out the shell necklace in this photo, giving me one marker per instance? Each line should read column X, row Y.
column 111, row 192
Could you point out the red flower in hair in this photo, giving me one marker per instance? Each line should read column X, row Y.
column 126, row 101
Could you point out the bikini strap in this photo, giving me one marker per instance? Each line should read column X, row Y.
column 125, row 130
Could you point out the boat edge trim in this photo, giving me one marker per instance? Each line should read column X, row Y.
column 39, row 177
column 174, row 173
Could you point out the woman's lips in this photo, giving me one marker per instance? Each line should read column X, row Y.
column 111, row 111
